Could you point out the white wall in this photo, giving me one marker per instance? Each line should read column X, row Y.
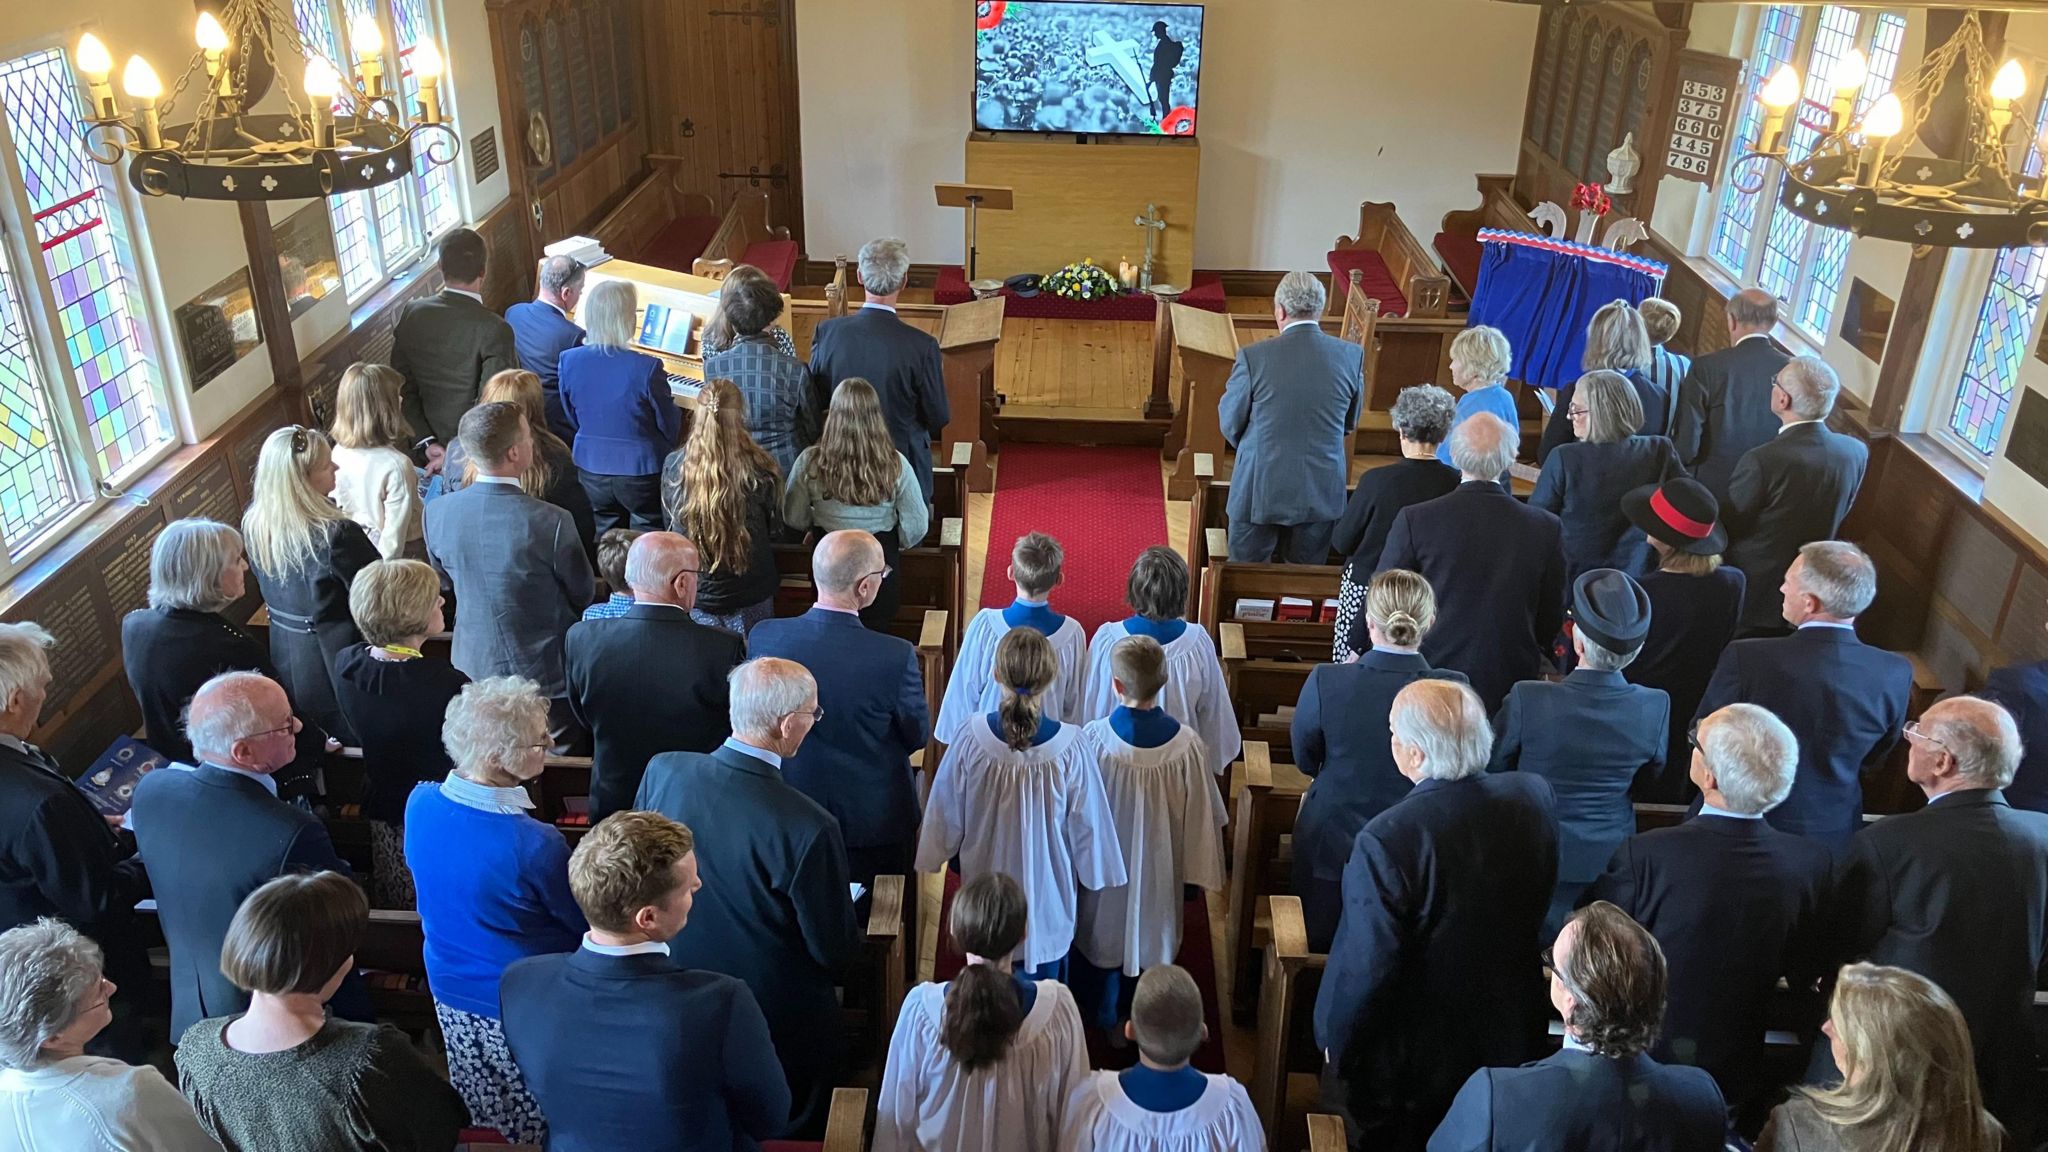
column 1308, row 107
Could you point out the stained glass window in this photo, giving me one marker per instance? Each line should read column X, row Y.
column 35, row 486
column 2005, row 325
column 438, row 211
column 1777, row 40
column 92, row 283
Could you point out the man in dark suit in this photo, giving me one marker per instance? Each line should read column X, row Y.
column 448, row 344
column 775, row 910
column 902, row 362
column 1496, row 565
column 1842, row 698
column 621, row 1046
column 1603, row 1092
column 214, row 834
column 1957, row 892
column 1793, row 489
column 1724, row 402
column 1433, row 973
column 857, row 763
column 542, row 331
column 1590, row 734
column 1287, row 407
column 513, row 564
column 2022, row 689
column 652, row 680
column 1734, row 902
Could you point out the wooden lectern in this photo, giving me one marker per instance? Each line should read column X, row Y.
column 1208, row 349
column 975, row 197
column 967, row 343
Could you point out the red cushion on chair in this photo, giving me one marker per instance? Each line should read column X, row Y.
column 679, row 243
column 1379, row 283
column 775, row 257
column 1461, row 259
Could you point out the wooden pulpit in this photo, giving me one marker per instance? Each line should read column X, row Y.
column 968, row 335
column 1207, row 343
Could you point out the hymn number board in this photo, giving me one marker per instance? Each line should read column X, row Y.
column 1702, row 115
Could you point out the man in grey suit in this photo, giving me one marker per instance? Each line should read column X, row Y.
column 1723, row 408
column 514, row 565
column 447, row 345
column 1288, row 405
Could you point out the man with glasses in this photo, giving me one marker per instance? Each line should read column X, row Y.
column 775, row 910
column 857, row 764
column 211, row 836
column 1957, row 892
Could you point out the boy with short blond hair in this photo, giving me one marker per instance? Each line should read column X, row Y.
column 1037, row 565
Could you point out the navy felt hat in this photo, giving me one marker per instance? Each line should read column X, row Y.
column 1611, row 609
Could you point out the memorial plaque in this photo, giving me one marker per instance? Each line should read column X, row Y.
column 581, row 83
column 218, row 327
column 88, row 639
column 1867, row 319
column 210, row 495
column 122, row 561
column 2027, row 445
column 1702, row 115
column 305, row 257
column 554, row 56
column 533, row 93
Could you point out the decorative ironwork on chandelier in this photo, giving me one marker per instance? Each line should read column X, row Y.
column 1859, row 177
column 342, row 132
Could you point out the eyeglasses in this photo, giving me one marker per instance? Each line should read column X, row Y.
column 291, row 725
column 543, row 747
column 817, row 715
column 1577, row 411
column 885, row 573
column 1692, row 734
column 1914, row 731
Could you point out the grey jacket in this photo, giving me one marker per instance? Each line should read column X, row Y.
column 1288, row 405
column 516, row 570
column 446, row 346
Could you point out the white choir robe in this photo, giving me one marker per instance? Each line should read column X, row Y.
column 973, row 692
column 1169, row 823
column 928, row 1104
column 1039, row 814
column 1194, row 692
column 1100, row 1118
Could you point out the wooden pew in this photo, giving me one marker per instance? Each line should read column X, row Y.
column 653, row 206
column 745, row 236
column 1205, row 502
column 1457, row 240
column 1207, row 344
column 1308, row 641
column 1326, row 1133
column 1289, row 978
column 846, row 1124
column 1399, row 255
column 1262, row 692
column 1265, row 798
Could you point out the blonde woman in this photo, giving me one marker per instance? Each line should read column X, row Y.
column 1480, row 360
column 305, row 552
column 723, row 492
column 854, row 479
column 1584, row 480
column 1616, row 341
column 375, row 482
column 1909, row 1075
column 553, row 474
column 625, row 416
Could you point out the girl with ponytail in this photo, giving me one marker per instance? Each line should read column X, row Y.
column 984, row 1062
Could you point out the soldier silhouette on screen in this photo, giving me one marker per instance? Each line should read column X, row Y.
column 1165, row 58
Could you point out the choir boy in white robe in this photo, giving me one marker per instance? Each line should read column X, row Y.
column 1036, row 565
column 1019, row 793
column 1195, row 693
column 1169, row 823
column 1163, row 1104
column 987, row 1061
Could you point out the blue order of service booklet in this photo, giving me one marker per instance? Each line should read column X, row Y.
column 110, row 782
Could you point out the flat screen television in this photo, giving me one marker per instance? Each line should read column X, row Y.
column 1086, row 67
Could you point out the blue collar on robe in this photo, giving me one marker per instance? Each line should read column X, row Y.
column 1164, row 631
column 1025, row 614
column 1047, row 728
column 1157, row 1091
column 1027, row 991
column 1142, row 727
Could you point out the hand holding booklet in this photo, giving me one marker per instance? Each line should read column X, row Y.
column 110, row 782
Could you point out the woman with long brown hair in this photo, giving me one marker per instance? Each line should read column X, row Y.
column 552, row 476
column 374, row 480
column 723, row 492
column 854, row 479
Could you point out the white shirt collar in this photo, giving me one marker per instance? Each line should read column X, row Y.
column 1709, row 810
column 559, row 311
column 1846, row 626
column 1299, row 323
column 645, row 947
column 1392, row 650
column 889, row 308
column 14, row 742
column 637, row 603
column 512, row 480
column 263, row 778
column 1795, row 424
column 1574, row 1044
column 741, row 746
column 476, row 296
column 512, row 801
column 1754, row 336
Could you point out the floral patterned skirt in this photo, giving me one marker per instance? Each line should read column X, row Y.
column 481, row 1068
column 1350, row 602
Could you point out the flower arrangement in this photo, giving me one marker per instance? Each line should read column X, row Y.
column 1593, row 198
column 1083, row 281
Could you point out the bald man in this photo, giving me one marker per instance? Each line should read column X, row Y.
column 651, row 680
column 210, row 836
column 1724, row 402
column 857, row 764
column 1957, row 892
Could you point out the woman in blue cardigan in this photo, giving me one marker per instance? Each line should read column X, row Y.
column 625, row 417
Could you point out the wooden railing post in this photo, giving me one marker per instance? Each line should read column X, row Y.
column 1159, row 406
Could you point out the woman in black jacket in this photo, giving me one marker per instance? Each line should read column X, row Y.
column 1422, row 417
column 305, row 551
column 722, row 490
column 1582, row 483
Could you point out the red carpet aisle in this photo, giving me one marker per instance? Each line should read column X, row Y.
column 1104, row 505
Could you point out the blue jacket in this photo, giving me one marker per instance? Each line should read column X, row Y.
column 542, row 334
column 1587, row 1103
column 1287, row 407
column 904, row 365
column 638, row 1052
column 624, row 417
column 856, row 762
column 2023, row 689
column 1582, row 485
column 1494, row 398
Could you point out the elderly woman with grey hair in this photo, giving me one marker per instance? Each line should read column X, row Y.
column 625, row 417
column 1480, row 360
column 492, row 886
column 54, row 999
column 1616, row 341
column 1583, row 481
column 1422, row 419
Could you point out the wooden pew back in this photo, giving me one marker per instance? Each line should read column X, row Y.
column 1289, row 978
column 1381, row 229
column 1265, row 799
column 1226, row 582
column 746, row 223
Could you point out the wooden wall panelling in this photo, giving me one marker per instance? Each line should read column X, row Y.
column 1598, row 75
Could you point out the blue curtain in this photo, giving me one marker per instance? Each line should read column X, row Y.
column 1542, row 300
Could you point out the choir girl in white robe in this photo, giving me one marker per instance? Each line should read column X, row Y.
column 1162, row 1104
column 1035, row 568
column 1195, row 693
column 1019, row 793
column 987, row 1061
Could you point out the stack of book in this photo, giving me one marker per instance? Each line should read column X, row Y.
column 585, row 250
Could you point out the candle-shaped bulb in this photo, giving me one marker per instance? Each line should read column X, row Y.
column 1783, row 89
column 213, row 39
column 139, row 80
column 426, row 61
column 322, row 81
column 1850, row 72
column 1887, row 118
column 2010, row 83
column 93, row 59
column 365, row 36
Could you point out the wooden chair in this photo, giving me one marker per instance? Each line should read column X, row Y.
column 1387, row 253
column 1457, row 240
column 1290, row 976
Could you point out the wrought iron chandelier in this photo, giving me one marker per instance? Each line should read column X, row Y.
column 350, row 133
column 1859, row 176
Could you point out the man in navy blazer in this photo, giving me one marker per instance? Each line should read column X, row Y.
column 621, row 1046
column 2022, row 689
column 776, row 911
column 1602, row 1092
column 1433, row 973
column 1842, row 698
column 871, row 689
column 212, row 835
column 1735, row 903
column 1723, row 407
column 1287, row 408
column 902, row 362
column 1495, row 564
column 542, row 331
